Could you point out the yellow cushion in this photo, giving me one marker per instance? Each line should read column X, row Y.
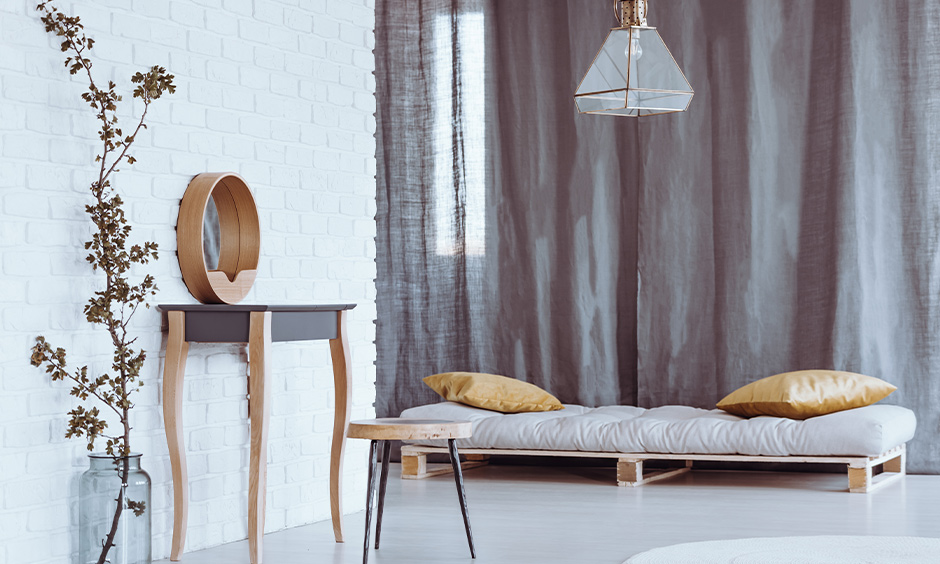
column 805, row 394
column 490, row 391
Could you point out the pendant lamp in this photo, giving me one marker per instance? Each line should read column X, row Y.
column 633, row 74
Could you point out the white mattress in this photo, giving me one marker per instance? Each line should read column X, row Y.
column 865, row 431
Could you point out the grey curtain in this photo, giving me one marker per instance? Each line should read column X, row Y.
column 789, row 220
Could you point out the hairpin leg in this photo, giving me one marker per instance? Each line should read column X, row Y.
column 461, row 492
column 386, row 452
column 370, row 500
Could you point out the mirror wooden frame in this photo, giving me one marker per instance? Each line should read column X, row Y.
column 239, row 238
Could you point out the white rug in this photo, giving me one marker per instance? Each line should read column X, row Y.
column 798, row 550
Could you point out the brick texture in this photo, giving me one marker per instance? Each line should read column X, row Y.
column 279, row 91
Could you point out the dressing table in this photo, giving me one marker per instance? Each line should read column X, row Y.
column 259, row 326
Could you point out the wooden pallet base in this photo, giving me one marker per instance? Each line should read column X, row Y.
column 893, row 467
column 415, row 467
column 440, row 470
column 630, row 471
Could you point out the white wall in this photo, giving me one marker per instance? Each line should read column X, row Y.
column 281, row 92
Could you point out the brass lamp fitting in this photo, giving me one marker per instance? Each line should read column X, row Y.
column 633, row 12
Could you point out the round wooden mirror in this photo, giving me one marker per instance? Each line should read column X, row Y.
column 239, row 238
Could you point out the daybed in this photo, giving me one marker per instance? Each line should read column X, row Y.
column 863, row 438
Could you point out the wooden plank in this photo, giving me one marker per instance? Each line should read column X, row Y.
column 414, row 465
column 889, row 455
column 342, row 389
column 440, row 470
column 398, row 429
column 654, row 476
column 898, row 464
column 656, row 456
column 894, row 465
column 859, row 479
column 629, row 471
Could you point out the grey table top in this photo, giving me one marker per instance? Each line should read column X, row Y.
column 254, row 307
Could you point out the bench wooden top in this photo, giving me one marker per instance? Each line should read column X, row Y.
column 396, row 429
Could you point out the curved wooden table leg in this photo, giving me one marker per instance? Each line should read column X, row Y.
column 342, row 376
column 259, row 401
column 174, row 367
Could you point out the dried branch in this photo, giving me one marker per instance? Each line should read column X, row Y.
column 115, row 305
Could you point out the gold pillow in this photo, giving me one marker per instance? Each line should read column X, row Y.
column 489, row 391
column 805, row 394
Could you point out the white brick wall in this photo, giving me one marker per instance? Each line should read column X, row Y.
column 279, row 91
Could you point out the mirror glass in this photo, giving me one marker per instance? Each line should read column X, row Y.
column 210, row 236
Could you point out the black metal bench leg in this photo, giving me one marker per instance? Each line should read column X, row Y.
column 386, row 452
column 370, row 500
column 461, row 492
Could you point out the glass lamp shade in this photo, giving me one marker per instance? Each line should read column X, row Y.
column 633, row 74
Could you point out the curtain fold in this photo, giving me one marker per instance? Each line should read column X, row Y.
column 551, row 296
column 803, row 233
column 790, row 219
column 429, row 312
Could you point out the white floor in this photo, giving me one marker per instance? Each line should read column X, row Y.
column 573, row 515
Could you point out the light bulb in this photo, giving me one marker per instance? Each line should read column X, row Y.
column 636, row 52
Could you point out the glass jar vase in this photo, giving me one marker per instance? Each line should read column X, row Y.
column 100, row 488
